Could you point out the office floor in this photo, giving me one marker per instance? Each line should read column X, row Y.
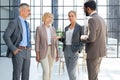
column 110, row 70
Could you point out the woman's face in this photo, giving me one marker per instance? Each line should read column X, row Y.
column 49, row 20
column 72, row 17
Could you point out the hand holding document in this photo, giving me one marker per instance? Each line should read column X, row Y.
column 84, row 37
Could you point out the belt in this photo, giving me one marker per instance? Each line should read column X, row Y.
column 23, row 47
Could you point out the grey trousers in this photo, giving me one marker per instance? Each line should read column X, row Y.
column 93, row 66
column 71, row 59
column 21, row 65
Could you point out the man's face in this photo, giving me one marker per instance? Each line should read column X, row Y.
column 86, row 11
column 27, row 12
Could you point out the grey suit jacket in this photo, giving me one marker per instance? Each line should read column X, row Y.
column 13, row 35
column 76, row 42
column 96, row 42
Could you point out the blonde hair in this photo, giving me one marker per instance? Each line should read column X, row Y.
column 46, row 15
column 72, row 12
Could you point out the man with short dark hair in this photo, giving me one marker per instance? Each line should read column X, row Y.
column 17, row 38
column 95, row 40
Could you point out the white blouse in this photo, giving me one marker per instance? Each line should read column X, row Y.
column 48, row 35
column 69, row 34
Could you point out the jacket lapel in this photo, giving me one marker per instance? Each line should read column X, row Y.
column 44, row 32
column 20, row 25
column 75, row 29
column 94, row 14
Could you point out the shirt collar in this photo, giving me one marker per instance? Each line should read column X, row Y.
column 93, row 13
column 21, row 18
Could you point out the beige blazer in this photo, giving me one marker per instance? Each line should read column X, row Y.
column 41, row 44
column 96, row 42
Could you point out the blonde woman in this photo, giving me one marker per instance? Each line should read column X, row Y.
column 46, row 45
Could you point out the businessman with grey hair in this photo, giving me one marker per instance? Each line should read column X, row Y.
column 17, row 39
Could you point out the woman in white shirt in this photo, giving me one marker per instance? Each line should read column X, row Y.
column 46, row 46
column 72, row 44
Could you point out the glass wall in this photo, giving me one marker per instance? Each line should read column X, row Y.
column 113, row 20
column 8, row 11
column 108, row 9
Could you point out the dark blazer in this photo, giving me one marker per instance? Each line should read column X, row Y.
column 13, row 35
column 76, row 42
column 96, row 42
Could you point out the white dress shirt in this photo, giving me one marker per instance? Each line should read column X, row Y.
column 69, row 34
column 48, row 35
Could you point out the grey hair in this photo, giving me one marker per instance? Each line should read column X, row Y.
column 23, row 5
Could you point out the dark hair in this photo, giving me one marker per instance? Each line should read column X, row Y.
column 23, row 4
column 91, row 4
